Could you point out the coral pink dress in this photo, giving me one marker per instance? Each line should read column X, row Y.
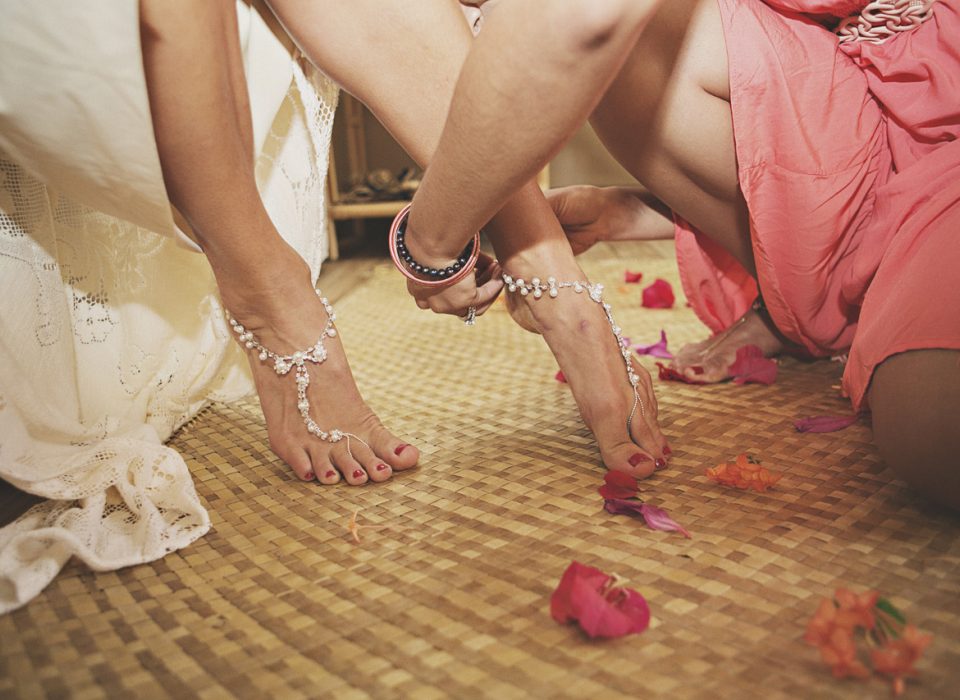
column 849, row 160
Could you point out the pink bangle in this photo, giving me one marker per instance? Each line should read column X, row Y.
column 450, row 276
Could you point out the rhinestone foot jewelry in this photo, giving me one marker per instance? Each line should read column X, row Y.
column 537, row 289
column 471, row 318
column 282, row 364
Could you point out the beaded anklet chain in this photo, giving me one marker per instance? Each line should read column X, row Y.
column 537, row 289
column 282, row 364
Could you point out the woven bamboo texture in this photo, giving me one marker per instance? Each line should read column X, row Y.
column 451, row 598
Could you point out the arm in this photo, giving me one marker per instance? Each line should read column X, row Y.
column 534, row 75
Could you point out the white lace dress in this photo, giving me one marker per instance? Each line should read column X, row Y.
column 111, row 331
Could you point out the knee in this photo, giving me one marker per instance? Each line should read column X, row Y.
column 915, row 401
column 588, row 25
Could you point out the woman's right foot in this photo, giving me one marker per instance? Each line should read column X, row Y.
column 709, row 360
column 577, row 331
column 285, row 315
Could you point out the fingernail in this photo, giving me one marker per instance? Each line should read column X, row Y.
column 400, row 448
column 637, row 458
column 382, row 467
column 357, row 474
column 666, row 450
column 660, row 464
column 330, row 474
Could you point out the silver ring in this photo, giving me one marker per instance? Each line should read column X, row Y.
column 471, row 318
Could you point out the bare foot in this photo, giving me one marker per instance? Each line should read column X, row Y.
column 284, row 314
column 590, row 214
column 709, row 360
column 580, row 336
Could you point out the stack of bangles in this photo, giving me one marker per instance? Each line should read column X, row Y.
column 429, row 276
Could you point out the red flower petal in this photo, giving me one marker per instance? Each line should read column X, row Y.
column 618, row 485
column 632, row 277
column 559, row 377
column 655, row 518
column 824, row 424
column 655, row 350
column 658, row 295
column 669, row 374
column 585, row 595
column 752, row 366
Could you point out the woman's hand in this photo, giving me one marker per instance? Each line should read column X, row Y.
column 592, row 214
column 478, row 291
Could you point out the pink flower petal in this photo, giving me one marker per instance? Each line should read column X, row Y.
column 656, row 518
column 752, row 367
column 618, row 485
column 655, row 350
column 585, row 596
column 824, row 424
column 632, row 277
column 658, row 295
column 559, row 377
column 669, row 374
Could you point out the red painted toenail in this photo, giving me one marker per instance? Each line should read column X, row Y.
column 382, row 467
column 308, row 477
column 400, row 448
column 660, row 464
column 697, row 369
column 330, row 474
column 666, row 450
column 637, row 458
column 357, row 474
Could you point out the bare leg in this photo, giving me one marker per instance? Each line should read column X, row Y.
column 203, row 131
column 674, row 90
column 409, row 87
column 915, row 400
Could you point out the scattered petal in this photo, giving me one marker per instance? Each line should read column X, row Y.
column 655, row 518
column 658, row 349
column 658, row 295
column 600, row 607
column 752, row 367
column 559, row 377
column 897, row 657
column 632, row 277
column 824, row 424
column 669, row 374
column 618, row 485
column 746, row 474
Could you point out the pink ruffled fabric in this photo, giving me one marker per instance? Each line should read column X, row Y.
column 849, row 160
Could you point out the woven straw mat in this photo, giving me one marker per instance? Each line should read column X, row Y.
column 451, row 598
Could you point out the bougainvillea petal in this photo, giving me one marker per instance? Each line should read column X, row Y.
column 632, row 277
column 658, row 349
column 585, row 595
column 752, row 367
column 669, row 374
column 618, row 485
column 655, row 518
column 746, row 474
column 559, row 377
column 824, row 424
column 658, row 295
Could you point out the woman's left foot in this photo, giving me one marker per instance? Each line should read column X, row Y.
column 709, row 360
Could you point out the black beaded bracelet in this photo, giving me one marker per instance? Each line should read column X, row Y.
column 431, row 272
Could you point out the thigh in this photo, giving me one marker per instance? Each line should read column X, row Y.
column 915, row 401
column 667, row 119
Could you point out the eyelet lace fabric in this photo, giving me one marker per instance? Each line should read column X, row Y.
column 112, row 337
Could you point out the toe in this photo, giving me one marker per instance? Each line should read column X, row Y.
column 353, row 473
column 397, row 454
column 626, row 457
column 298, row 460
column 322, row 466
column 376, row 468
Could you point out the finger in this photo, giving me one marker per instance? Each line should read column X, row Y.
column 487, row 293
column 423, row 304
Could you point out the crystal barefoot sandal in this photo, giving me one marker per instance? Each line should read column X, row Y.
column 551, row 289
column 282, row 364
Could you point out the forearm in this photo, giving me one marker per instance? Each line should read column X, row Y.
column 535, row 73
